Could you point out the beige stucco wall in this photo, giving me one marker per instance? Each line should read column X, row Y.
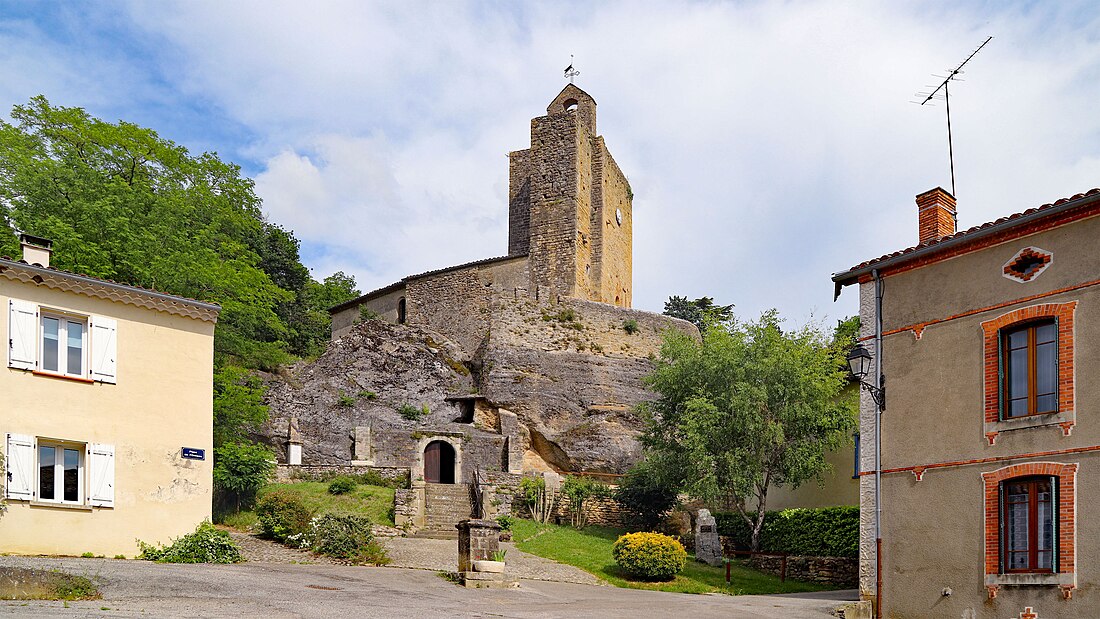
column 161, row 403
column 837, row 487
column 933, row 530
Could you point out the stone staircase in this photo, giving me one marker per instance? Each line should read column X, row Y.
column 445, row 505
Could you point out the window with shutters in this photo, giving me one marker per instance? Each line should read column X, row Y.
column 1031, row 525
column 1029, row 375
column 45, row 470
column 59, row 343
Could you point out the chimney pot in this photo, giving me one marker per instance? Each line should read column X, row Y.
column 935, row 215
column 36, row 250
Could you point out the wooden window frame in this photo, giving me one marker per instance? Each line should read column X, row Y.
column 1031, row 327
column 1033, row 534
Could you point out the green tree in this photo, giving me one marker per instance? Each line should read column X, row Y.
column 749, row 407
column 700, row 312
column 240, row 470
column 646, row 495
column 238, row 404
column 122, row 203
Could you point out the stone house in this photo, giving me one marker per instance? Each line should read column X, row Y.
column 531, row 362
column 988, row 451
column 106, row 411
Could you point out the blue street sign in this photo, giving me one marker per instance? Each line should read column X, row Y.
column 194, row 454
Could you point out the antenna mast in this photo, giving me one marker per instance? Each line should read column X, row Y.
column 953, row 75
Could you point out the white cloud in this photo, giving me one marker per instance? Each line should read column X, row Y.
column 768, row 144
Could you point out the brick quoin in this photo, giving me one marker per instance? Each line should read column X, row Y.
column 1063, row 312
column 1067, row 510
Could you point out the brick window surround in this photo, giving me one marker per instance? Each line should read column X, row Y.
column 1065, row 416
column 1066, row 576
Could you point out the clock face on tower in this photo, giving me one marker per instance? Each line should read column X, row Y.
column 619, row 216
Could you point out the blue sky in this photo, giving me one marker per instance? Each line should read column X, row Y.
column 768, row 144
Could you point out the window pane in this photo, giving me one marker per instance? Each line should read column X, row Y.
column 49, row 343
column 1017, row 408
column 1016, row 529
column 1046, row 403
column 1017, row 339
column 1017, row 374
column 46, row 458
column 72, row 475
column 1046, row 369
column 75, row 338
column 1045, row 333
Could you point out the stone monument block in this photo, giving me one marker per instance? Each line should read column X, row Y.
column 708, row 548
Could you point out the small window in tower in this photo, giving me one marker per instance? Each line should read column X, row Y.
column 569, row 105
column 401, row 310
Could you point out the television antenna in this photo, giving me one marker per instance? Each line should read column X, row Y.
column 952, row 75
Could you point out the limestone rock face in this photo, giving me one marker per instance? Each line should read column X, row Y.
column 570, row 373
column 362, row 380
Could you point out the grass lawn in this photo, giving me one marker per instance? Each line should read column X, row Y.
column 374, row 502
column 590, row 550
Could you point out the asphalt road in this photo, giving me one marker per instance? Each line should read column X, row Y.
column 274, row 591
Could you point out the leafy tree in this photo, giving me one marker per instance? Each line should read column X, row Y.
column 846, row 334
column 749, row 407
column 122, row 203
column 646, row 495
column 238, row 405
column 241, row 469
column 577, row 490
column 700, row 312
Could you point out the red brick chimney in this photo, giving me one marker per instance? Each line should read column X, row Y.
column 936, row 213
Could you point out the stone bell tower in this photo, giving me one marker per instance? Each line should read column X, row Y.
column 569, row 206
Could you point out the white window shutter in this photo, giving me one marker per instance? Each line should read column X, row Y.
column 104, row 347
column 101, row 475
column 19, row 461
column 22, row 334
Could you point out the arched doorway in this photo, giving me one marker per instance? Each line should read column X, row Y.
column 439, row 463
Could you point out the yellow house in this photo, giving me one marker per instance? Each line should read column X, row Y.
column 105, row 411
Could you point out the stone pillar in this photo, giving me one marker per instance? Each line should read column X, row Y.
column 361, row 453
column 477, row 541
column 293, row 443
column 708, row 548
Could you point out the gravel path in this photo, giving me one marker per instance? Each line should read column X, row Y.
column 442, row 555
column 266, row 551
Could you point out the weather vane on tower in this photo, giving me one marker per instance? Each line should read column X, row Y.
column 570, row 72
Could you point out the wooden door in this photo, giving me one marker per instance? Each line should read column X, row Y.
column 431, row 462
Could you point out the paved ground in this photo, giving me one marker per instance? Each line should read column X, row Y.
column 274, row 591
column 442, row 554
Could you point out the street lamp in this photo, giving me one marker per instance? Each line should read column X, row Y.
column 859, row 363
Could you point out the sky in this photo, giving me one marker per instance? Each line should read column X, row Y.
column 768, row 144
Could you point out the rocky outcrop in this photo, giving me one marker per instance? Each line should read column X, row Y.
column 563, row 381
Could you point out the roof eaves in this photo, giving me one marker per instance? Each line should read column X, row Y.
column 970, row 235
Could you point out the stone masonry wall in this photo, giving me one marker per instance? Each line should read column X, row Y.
column 840, row 571
column 867, row 412
column 553, row 220
column 616, row 262
column 324, row 472
column 519, row 202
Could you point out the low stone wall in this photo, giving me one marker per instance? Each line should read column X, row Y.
column 319, row 472
column 842, row 571
column 604, row 512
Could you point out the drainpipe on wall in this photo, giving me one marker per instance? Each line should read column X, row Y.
column 878, row 444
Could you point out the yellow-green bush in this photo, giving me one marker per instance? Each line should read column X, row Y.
column 649, row 556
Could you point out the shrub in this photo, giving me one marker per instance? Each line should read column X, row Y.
column 506, row 521
column 342, row 485
column 630, row 326
column 240, row 469
column 649, row 556
column 576, row 490
column 822, row 532
column 539, row 501
column 206, row 545
column 366, row 313
column 282, row 514
column 344, row 536
column 644, row 497
column 345, row 400
column 368, row 395
column 412, row 413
